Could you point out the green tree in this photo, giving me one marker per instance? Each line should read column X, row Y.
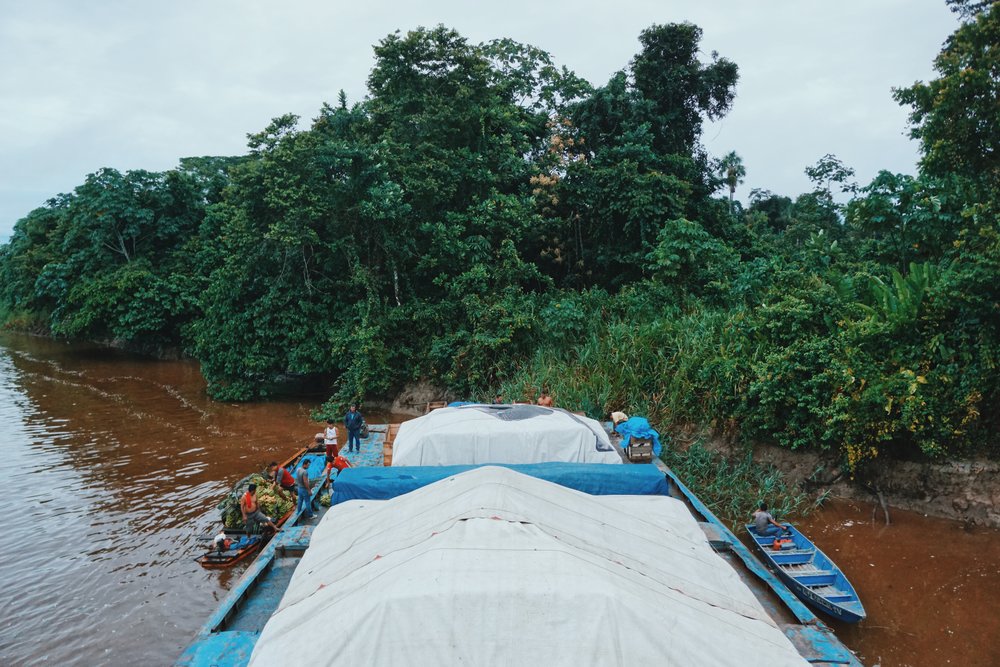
column 776, row 209
column 301, row 231
column 899, row 219
column 827, row 171
column 732, row 172
column 33, row 246
column 956, row 117
column 633, row 160
column 680, row 90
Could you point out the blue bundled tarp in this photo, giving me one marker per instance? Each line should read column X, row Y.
column 640, row 428
column 597, row 479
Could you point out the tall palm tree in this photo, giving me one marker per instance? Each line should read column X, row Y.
column 733, row 171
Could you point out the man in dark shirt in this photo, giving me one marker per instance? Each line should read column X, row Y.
column 353, row 421
column 764, row 523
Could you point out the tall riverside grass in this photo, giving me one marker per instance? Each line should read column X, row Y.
column 733, row 489
column 689, row 368
column 677, row 370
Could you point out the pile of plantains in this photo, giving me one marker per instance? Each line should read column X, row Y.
column 270, row 502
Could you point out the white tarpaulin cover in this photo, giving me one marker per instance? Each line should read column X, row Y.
column 474, row 434
column 492, row 567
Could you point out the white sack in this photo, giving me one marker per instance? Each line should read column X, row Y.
column 492, row 567
column 471, row 435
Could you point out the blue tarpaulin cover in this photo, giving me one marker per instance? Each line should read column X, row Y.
column 640, row 428
column 597, row 479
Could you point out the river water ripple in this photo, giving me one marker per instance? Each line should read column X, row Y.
column 112, row 467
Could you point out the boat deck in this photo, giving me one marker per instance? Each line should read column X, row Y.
column 257, row 609
column 228, row 637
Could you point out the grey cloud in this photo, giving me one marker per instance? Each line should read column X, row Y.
column 139, row 85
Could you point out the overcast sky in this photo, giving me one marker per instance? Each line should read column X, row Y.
column 137, row 85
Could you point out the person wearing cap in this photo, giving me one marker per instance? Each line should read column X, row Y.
column 304, row 489
column 251, row 511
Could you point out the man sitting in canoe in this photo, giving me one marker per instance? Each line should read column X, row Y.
column 764, row 523
column 251, row 512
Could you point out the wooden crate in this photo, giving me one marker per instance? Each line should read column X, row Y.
column 640, row 450
column 434, row 405
column 390, row 438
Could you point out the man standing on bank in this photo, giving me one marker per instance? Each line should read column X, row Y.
column 353, row 421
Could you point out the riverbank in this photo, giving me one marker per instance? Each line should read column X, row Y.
column 965, row 491
column 961, row 490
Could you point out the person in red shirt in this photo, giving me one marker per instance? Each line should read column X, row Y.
column 251, row 511
column 338, row 462
column 281, row 480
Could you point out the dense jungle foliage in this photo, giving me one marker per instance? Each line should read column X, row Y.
column 484, row 219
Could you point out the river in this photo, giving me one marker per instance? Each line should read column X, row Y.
column 113, row 465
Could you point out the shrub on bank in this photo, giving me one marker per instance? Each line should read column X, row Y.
column 733, row 489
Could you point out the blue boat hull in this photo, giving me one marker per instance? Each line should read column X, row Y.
column 228, row 637
column 811, row 575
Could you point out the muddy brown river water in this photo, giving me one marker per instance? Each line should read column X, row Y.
column 112, row 466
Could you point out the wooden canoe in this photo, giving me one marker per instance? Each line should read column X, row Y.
column 810, row 574
column 215, row 559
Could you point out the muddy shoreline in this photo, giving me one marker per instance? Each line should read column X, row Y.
column 963, row 490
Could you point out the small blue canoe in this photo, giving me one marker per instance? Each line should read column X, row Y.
column 810, row 574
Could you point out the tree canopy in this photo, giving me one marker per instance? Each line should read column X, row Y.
column 484, row 219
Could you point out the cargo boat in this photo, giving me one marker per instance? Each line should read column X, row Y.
column 230, row 635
